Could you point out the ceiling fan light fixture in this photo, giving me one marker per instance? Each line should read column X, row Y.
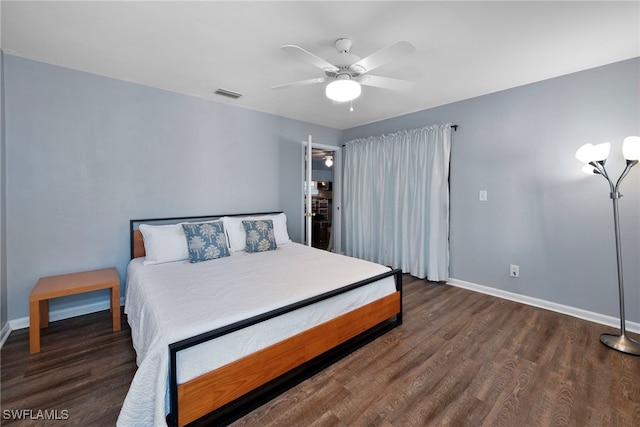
column 328, row 161
column 343, row 89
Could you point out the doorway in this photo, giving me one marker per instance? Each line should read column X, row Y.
column 324, row 200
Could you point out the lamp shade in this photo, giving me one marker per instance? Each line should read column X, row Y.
column 343, row 90
column 584, row 153
column 631, row 148
column 601, row 151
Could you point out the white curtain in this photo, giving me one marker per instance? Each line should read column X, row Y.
column 396, row 200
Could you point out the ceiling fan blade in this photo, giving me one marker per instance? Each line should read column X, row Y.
column 382, row 56
column 309, row 57
column 301, row 83
column 386, row 83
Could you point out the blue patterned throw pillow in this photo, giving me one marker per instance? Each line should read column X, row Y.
column 206, row 241
column 260, row 237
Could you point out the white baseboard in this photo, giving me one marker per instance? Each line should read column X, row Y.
column 548, row 305
column 65, row 313
column 4, row 334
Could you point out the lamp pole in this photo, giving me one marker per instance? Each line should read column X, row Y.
column 618, row 342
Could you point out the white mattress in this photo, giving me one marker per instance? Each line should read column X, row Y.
column 169, row 302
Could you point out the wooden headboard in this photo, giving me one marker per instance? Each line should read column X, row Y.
column 137, row 244
column 137, row 241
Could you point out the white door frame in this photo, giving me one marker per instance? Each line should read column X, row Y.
column 336, row 224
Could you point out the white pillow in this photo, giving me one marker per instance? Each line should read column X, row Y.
column 238, row 238
column 164, row 243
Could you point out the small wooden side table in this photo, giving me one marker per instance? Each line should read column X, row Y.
column 69, row 284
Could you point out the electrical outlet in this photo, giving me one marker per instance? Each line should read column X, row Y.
column 482, row 195
column 514, row 270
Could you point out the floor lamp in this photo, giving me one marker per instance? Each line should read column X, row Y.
column 594, row 158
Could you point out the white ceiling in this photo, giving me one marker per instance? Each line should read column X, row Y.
column 463, row 49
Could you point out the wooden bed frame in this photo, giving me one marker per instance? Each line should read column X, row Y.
column 231, row 391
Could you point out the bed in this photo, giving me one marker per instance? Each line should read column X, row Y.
column 218, row 338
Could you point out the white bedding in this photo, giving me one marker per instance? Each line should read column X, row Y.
column 169, row 302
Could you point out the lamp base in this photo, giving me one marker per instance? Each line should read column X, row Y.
column 621, row 343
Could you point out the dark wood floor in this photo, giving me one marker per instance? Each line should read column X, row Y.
column 460, row 359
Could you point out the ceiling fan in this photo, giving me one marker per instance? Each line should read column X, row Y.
column 345, row 72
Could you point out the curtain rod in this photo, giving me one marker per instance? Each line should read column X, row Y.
column 455, row 129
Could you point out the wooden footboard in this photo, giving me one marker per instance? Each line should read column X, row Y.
column 235, row 389
column 211, row 391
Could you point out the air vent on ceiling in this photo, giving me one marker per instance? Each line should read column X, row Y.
column 228, row 93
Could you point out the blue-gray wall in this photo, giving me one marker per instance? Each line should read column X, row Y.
column 321, row 172
column 86, row 153
column 542, row 212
